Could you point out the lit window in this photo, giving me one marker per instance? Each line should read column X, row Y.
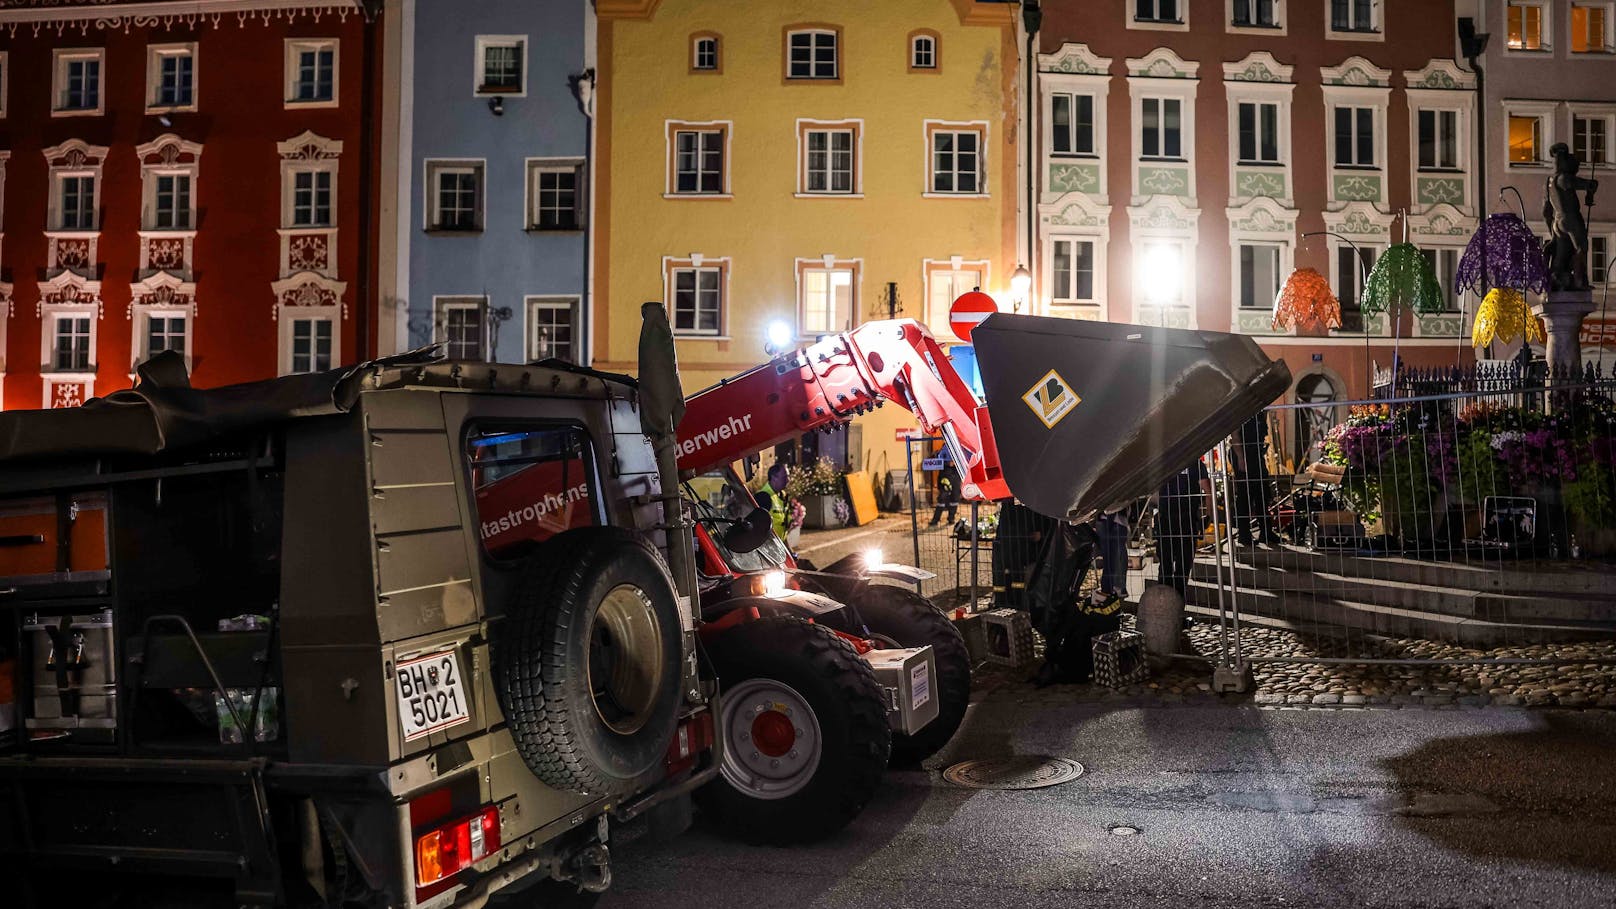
column 462, row 329
column 311, row 72
column 1354, row 137
column 956, row 161
column 704, row 54
column 945, row 282
column 1525, row 139
column 78, row 81
column 828, row 161
column 457, row 194
column 164, row 332
column 1259, row 275
column 1256, row 13
column 501, row 65
column 1352, row 15
column 923, row 52
column 1439, row 139
column 1073, row 272
column 553, row 202
column 311, row 345
column 77, row 200
column 71, row 351
column 1590, row 28
column 827, row 300
column 1259, row 133
column 1161, row 272
column 1526, row 26
column 1161, row 128
column 1073, row 124
column 171, row 202
column 552, row 330
column 1590, row 138
column 697, row 300
column 311, row 198
column 1157, row 11
column 698, row 164
column 812, row 55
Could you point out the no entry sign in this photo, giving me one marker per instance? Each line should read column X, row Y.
column 968, row 310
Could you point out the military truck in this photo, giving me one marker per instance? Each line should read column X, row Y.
column 274, row 644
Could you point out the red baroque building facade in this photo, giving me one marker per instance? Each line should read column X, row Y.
column 188, row 176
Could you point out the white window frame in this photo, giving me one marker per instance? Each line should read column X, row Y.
column 60, row 59
column 56, row 214
column 142, row 324
column 1376, row 99
column 436, row 167
column 1605, row 112
column 1546, row 15
column 289, row 172
column 954, row 267
column 1602, row 235
column 826, row 265
column 696, row 42
column 1261, row 221
column 1096, row 110
column 1161, row 102
column 671, row 266
column 1095, row 86
column 535, row 302
column 148, row 208
column 836, row 61
column 1281, row 24
column 53, row 320
column 933, row 128
column 1547, row 113
column 155, row 55
column 1180, row 88
column 535, row 167
column 1377, row 23
column 295, row 47
column 1097, row 271
column 290, row 315
column 1130, row 9
column 1280, row 94
column 1607, row 41
column 855, row 129
column 479, row 60
column 443, row 304
column 1171, row 220
column 671, row 129
column 914, row 53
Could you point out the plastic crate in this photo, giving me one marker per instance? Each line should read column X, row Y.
column 1119, row 659
column 1009, row 637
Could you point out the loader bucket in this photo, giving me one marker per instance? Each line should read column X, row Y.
column 1087, row 415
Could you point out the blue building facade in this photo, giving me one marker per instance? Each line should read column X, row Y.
column 495, row 132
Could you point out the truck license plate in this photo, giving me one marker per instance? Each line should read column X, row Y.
column 431, row 697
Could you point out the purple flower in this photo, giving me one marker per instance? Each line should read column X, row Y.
column 1503, row 253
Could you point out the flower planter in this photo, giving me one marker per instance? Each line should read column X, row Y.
column 821, row 512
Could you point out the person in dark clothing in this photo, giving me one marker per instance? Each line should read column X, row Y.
column 1016, row 544
column 1111, row 529
column 948, row 492
column 1249, row 463
column 1181, row 509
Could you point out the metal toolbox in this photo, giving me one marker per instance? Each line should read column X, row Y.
column 909, row 678
column 74, row 676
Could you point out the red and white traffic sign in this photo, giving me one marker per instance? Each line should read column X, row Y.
column 968, row 310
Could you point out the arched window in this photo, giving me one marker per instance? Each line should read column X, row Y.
column 1314, row 422
column 923, row 51
column 704, row 53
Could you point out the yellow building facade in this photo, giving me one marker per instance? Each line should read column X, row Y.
column 797, row 162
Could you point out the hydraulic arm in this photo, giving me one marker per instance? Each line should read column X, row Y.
column 835, row 380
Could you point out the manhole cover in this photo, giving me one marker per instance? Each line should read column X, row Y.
column 1124, row 830
column 1025, row 772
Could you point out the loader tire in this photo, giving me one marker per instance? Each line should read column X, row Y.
column 587, row 663
column 905, row 618
column 805, row 732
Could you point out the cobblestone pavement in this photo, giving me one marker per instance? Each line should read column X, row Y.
column 1338, row 685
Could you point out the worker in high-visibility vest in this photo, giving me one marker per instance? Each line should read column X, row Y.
column 773, row 498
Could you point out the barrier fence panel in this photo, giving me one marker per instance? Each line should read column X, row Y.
column 1468, row 523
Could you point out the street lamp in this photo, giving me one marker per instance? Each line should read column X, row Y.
column 1020, row 284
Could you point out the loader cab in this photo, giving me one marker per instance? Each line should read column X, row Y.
column 722, row 507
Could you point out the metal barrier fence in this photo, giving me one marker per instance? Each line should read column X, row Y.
column 1461, row 527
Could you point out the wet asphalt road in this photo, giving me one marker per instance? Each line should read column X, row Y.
column 1236, row 806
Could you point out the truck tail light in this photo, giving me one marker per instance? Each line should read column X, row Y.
column 455, row 847
column 694, row 736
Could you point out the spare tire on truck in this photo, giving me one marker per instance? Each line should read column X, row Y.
column 901, row 617
column 805, row 731
column 587, row 663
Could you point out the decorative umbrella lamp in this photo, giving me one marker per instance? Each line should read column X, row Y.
column 1503, row 260
column 1402, row 279
column 1306, row 302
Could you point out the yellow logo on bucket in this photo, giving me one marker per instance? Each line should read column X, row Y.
column 1051, row 399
